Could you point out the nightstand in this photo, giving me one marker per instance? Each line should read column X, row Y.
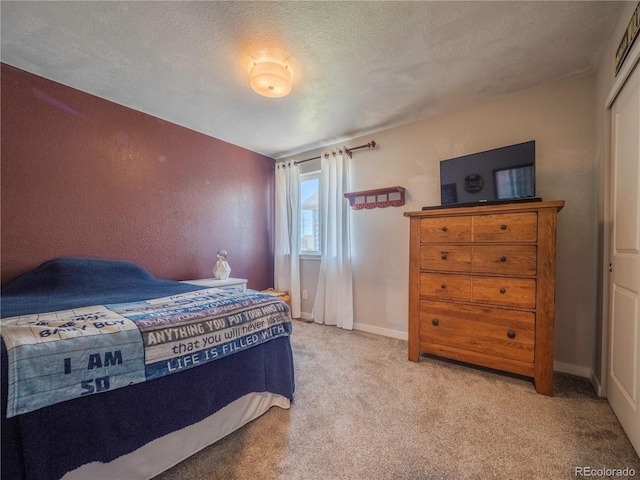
column 235, row 283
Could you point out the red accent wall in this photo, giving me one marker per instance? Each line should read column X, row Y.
column 86, row 177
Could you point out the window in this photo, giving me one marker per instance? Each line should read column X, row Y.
column 309, row 214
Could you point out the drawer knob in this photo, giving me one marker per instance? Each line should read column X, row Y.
column 503, row 227
column 443, row 286
column 503, row 259
column 511, row 334
column 443, row 255
column 444, row 229
column 503, row 290
column 435, row 322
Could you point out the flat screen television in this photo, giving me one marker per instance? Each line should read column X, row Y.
column 495, row 176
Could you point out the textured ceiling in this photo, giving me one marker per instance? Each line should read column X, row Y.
column 358, row 67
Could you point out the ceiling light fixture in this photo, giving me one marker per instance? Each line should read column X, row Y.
column 270, row 79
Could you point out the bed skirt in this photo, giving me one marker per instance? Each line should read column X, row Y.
column 165, row 452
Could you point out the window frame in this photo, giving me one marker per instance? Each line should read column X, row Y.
column 309, row 254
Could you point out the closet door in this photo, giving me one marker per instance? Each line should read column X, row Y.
column 623, row 382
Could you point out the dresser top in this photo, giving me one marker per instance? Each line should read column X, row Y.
column 484, row 209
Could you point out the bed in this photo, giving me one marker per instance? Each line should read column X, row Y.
column 123, row 424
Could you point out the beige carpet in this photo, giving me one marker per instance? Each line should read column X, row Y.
column 363, row 411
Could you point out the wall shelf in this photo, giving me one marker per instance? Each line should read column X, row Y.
column 378, row 198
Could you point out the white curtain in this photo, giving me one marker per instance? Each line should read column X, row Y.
column 287, row 237
column 334, row 298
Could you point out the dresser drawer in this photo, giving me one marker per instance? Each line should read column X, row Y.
column 445, row 229
column 445, row 258
column 491, row 331
column 507, row 227
column 504, row 259
column 508, row 292
column 445, row 287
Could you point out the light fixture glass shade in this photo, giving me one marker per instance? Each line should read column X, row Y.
column 271, row 79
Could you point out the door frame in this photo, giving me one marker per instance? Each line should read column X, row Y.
column 633, row 58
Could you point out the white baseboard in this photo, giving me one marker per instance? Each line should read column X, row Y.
column 595, row 381
column 584, row 372
column 387, row 332
column 572, row 369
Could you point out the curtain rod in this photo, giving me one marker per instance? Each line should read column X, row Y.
column 371, row 144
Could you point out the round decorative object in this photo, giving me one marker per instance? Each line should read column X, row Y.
column 271, row 79
column 473, row 183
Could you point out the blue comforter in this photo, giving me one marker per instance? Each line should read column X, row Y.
column 48, row 442
column 73, row 282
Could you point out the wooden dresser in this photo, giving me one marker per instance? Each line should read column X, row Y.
column 482, row 285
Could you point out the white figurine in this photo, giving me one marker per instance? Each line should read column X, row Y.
column 221, row 270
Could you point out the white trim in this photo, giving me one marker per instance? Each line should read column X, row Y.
column 306, row 316
column 606, row 256
column 597, row 386
column 304, row 177
column 632, row 58
column 583, row 372
column 315, row 257
column 386, row 332
column 577, row 370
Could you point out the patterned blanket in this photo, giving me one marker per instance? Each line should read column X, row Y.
column 58, row 356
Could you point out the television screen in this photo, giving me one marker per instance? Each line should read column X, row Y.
column 498, row 175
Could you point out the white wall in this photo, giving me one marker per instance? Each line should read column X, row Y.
column 560, row 118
